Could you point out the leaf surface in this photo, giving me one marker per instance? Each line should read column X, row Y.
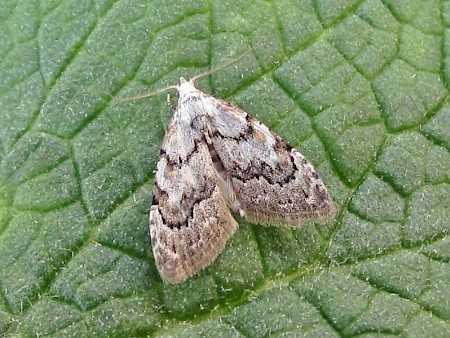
column 359, row 87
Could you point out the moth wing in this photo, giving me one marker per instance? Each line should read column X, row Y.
column 272, row 182
column 189, row 218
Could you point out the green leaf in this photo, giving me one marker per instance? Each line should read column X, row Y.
column 359, row 87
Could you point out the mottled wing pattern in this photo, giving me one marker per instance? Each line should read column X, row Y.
column 189, row 218
column 215, row 157
column 272, row 182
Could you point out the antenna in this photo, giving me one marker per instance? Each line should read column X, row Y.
column 192, row 80
column 143, row 96
column 211, row 71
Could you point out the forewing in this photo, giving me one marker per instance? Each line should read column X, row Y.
column 189, row 218
column 271, row 181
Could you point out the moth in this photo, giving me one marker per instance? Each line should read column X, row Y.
column 216, row 160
